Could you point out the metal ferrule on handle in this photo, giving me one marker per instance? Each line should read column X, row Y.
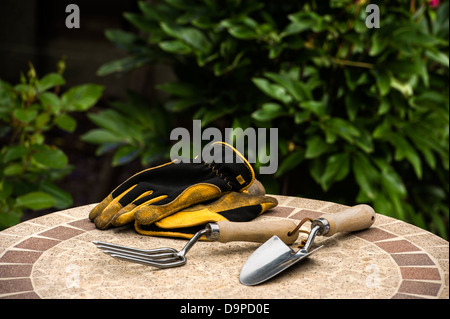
column 324, row 226
column 213, row 231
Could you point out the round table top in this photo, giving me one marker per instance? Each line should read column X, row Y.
column 53, row 257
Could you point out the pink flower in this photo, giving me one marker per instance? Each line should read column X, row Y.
column 434, row 3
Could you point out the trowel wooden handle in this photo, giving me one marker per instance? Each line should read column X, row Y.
column 358, row 217
column 257, row 231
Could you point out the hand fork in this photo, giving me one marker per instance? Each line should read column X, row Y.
column 222, row 231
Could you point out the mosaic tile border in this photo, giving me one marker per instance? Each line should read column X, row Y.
column 423, row 264
column 16, row 262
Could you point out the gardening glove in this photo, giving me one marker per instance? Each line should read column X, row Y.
column 233, row 206
column 160, row 191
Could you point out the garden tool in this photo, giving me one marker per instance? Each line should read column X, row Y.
column 223, row 231
column 232, row 206
column 274, row 256
column 160, row 191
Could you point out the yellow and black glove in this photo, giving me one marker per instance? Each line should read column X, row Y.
column 160, row 191
column 233, row 206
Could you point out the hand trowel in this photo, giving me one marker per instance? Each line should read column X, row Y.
column 274, row 255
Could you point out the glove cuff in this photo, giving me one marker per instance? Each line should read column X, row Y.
column 231, row 165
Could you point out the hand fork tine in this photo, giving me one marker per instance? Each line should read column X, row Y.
column 159, row 257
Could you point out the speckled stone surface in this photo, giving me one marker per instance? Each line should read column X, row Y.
column 53, row 257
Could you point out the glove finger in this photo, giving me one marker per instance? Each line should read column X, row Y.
column 124, row 194
column 126, row 214
column 149, row 213
column 256, row 188
column 98, row 209
column 105, row 212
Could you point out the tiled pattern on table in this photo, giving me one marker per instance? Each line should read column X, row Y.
column 423, row 271
column 16, row 261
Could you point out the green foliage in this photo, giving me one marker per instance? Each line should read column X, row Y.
column 28, row 165
column 362, row 112
column 131, row 129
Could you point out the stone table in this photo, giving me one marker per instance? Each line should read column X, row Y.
column 53, row 257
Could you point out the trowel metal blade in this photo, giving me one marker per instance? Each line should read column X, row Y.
column 269, row 260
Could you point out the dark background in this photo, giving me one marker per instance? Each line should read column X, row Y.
column 35, row 31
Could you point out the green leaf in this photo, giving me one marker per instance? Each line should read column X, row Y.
column 13, row 169
column 66, row 123
column 403, row 149
column 6, row 189
column 118, row 125
column 49, row 81
column 141, row 22
column 384, row 107
column 100, row 136
column 379, row 44
column 301, row 117
column 175, row 46
column 342, row 128
column 179, row 89
column 122, row 39
column 365, row 174
column 15, row 152
column 35, row 201
column 25, row 115
column 123, row 65
column 352, row 105
column 41, row 121
column 62, row 198
column 242, row 32
column 316, row 146
column 82, row 97
column 383, row 82
column 125, row 154
column 243, row 28
column 214, row 114
column 437, row 56
column 425, row 143
column 316, row 107
column 268, row 112
column 412, row 34
column 290, row 162
column 364, row 141
column 9, row 217
column 295, row 88
column 392, row 182
column 300, row 22
column 179, row 105
column 52, row 158
column 51, row 101
column 191, row 36
column 336, row 169
column 273, row 90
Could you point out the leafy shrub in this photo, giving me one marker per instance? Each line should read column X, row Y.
column 29, row 166
column 132, row 129
column 361, row 112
